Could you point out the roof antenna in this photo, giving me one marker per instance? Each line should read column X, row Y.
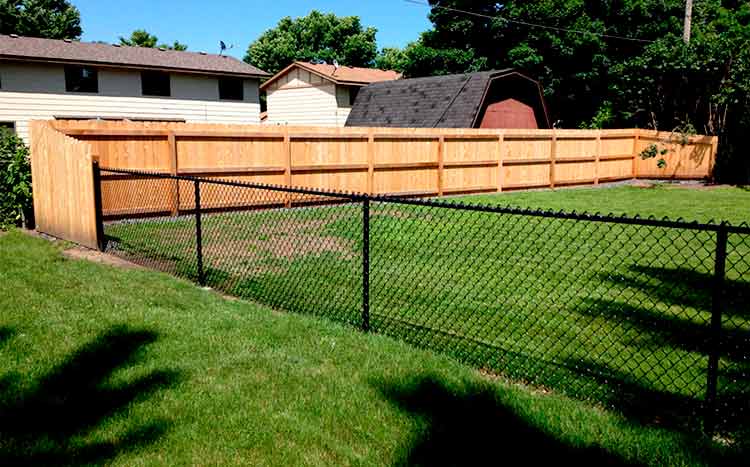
column 223, row 47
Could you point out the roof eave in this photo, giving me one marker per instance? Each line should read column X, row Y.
column 286, row 69
column 330, row 78
column 24, row 58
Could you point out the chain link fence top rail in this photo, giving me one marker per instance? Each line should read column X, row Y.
column 628, row 312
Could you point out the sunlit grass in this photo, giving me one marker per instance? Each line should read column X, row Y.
column 148, row 369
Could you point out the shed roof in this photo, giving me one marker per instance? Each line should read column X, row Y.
column 53, row 50
column 341, row 75
column 450, row 101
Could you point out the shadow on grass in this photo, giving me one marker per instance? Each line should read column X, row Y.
column 48, row 423
column 640, row 403
column 472, row 426
column 686, row 288
column 661, row 332
column 5, row 334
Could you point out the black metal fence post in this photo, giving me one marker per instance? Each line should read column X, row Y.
column 199, row 233
column 366, row 264
column 98, row 215
column 715, row 332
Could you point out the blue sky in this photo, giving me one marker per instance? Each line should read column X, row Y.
column 201, row 24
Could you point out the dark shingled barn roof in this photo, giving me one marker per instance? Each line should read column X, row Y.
column 450, row 101
column 89, row 53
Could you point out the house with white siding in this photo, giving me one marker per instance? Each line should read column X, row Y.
column 63, row 79
column 317, row 94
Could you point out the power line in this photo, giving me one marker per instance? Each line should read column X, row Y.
column 526, row 23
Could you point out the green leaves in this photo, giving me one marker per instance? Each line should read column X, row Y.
column 652, row 151
column 53, row 19
column 15, row 180
column 607, row 64
column 142, row 38
column 316, row 36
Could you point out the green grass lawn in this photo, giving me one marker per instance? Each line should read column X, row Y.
column 674, row 201
column 608, row 312
column 132, row 367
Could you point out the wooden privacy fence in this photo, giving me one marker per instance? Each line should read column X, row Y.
column 62, row 176
column 408, row 162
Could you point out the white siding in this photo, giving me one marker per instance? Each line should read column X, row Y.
column 303, row 106
column 342, row 103
column 33, row 92
column 302, row 98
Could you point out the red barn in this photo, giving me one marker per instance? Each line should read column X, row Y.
column 488, row 99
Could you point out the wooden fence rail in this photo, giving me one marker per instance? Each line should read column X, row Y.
column 410, row 162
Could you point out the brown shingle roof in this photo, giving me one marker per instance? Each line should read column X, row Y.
column 342, row 75
column 51, row 50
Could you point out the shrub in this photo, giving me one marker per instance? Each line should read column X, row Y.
column 15, row 181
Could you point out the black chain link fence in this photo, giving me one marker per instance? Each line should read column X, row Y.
column 648, row 316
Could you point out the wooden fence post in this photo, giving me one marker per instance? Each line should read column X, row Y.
column 174, row 170
column 370, row 161
column 287, row 166
column 598, row 156
column 441, row 164
column 636, row 140
column 500, row 169
column 553, row 156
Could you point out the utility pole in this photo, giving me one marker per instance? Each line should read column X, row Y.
column 688, row 20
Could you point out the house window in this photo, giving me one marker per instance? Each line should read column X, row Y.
column 231, row 89
column 9, row 126
column 155, row 83
column 353, row 91
column 81, row 79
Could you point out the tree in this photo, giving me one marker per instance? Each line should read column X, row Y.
column 417, row 59
column 703, row 85
column 391, row 58
column 608, row 63
column 142, row 38
column 176, row 45
column 316, row 36
column 53, row 19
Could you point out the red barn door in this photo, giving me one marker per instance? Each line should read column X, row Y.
column 509, row 113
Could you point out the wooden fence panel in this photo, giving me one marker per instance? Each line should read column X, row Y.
column 683, row 161
column 470, row 164
column 330, row 163
column 407, row 161
column 121, row 197
column 63, row 181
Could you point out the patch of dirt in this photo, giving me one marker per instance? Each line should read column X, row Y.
column 643, row 184
column 83, row 253
column 685, row 184
column 701, row 186
column 494, row 376
column 288, row 239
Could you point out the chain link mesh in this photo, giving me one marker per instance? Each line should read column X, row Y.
column 614, row 310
